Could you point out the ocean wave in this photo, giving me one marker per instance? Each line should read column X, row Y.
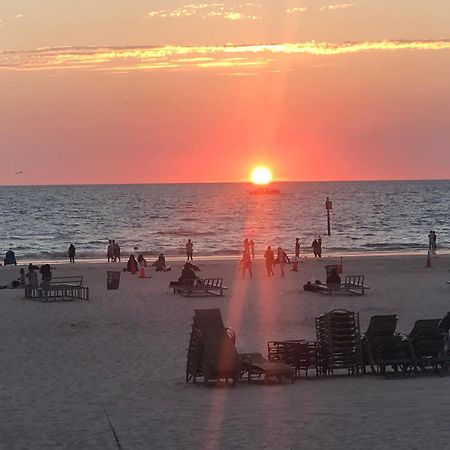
column 186, row 233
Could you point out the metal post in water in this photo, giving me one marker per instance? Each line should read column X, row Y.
column 328, row 207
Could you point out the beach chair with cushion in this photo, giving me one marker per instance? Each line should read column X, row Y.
column 212, row 353
column 426, row 343
column 255, row 365
column 339, row 337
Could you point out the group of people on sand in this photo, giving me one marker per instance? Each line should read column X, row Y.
column 317, row 247
column 133, row 264
column 113, row 251
column 31, row 279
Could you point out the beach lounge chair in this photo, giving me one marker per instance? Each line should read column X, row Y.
column 352, row 285
column 339, row 337
column 426, row 342
column 383, row 348
column 212, row 353
column 59, row 289
column 200, row 287
column 255, row 365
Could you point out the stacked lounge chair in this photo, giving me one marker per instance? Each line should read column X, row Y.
column 212, row 353
column 339, row 337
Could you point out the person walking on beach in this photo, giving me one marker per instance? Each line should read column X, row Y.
column 252, row 248
column 319, row 247
column 189, row 250
column 71, row 253
column 270, row 261
column 282, row 259
column 246, row 264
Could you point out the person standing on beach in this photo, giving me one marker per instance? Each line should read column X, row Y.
column 246, row 264
column 434, row 244
column 314, row 246
column 109, row 251
column 189, row 250
column 252, row 248
column 282, row 259
column 270, row 261
column 116, row 251
column 246, row 245
column 319, row 247
column 71, row 253
column 430, row 241
column 297, row 247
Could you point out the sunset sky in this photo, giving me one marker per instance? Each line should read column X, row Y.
column 96, row 91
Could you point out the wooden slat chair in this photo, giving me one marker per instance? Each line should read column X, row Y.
column 59, row 289
column 200, row 287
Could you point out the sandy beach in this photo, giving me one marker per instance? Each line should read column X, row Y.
column 124, row 352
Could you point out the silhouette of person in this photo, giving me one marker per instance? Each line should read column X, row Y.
column 270, row 261
column 297, row 247
column 132, row 265
column 252, row 248
column 246, row 264
column 315, row 246
column 282, row 259
column 189, row 250
column 71, row 253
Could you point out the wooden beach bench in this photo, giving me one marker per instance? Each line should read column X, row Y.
column 205, row 286
column 353, row 285
column 60, row 289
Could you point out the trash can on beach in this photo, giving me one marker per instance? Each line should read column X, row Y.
column 112, row 279
column 330, row 268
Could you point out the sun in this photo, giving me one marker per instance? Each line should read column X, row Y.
column 261, row 175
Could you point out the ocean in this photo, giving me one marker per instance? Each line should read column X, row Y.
column 39, row 222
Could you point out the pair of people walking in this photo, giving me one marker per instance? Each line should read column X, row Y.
column 282, row 259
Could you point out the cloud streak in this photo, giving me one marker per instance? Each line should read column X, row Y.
column 120, row 59
column 246, row 11
column 338, row 6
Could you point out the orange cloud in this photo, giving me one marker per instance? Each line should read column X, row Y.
column 193, row 57
column 297, row 10
column 338, row 6
column 209, row 10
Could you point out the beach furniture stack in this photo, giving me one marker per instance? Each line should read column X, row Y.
column 212, row 353
column 339, row 337
column 302, row 355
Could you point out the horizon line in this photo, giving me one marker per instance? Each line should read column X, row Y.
column 226, row 182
